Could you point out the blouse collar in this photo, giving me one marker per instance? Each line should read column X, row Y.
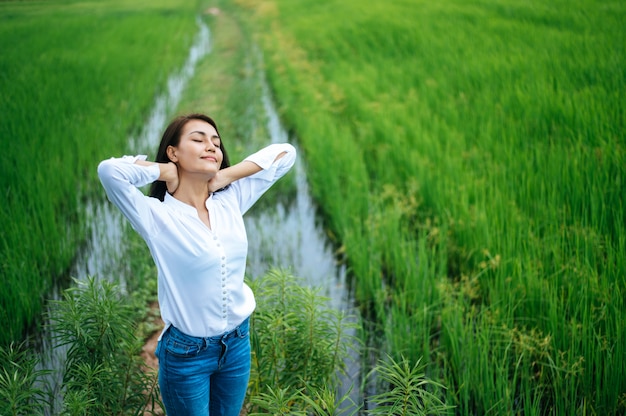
column 180, row 205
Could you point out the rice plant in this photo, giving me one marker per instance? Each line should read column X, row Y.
column 469, row 159
column 78, row 78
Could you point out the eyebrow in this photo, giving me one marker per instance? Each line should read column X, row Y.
column 215, row 136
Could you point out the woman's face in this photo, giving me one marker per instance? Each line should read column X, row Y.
column 198, row 151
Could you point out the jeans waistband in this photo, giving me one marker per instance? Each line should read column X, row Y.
column 241, row 330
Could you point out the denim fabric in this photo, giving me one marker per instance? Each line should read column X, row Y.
column 204, row 376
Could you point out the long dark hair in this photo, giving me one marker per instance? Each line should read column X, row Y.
column 171, row 137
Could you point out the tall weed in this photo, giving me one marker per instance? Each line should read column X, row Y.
column 299, row 343
column 19, row 394
column 103, row 371
column 407, row 391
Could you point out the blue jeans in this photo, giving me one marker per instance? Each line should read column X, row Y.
column 204, row 376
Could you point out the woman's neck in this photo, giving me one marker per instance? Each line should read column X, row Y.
column 194, row 193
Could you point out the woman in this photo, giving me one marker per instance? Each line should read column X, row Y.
column 192, row 222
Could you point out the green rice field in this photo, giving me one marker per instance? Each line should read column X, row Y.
column 469, row 157
column 77, row 79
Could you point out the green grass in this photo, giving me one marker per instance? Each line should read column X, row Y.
column 470, row 159
column 77, row 78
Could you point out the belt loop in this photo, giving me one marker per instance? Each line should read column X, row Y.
column 240, row 331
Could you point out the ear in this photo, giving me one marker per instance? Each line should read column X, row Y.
column 171, row 153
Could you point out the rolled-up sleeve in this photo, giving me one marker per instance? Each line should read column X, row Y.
column 253, row 187
column 121, row 178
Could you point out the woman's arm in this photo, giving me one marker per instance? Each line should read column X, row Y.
column 121, row 178
column 233, row 173
column 273, row 162
column 168, row 173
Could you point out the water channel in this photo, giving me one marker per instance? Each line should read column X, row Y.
column 288, row 237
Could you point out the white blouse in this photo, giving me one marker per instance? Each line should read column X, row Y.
column 200, row 270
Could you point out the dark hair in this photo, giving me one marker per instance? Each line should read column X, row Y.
column 171, row 137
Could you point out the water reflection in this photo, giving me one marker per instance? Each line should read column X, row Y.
column 285, row 236
column 288, row 237
column 291, row 237
column 103, row 255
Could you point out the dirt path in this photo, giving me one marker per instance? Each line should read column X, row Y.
column 147, row 352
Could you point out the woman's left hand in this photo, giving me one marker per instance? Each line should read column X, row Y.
column 219, row 181
column 226, row 176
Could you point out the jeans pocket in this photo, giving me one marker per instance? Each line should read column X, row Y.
column 181, row 345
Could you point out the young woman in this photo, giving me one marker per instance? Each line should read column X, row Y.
column 192, row 222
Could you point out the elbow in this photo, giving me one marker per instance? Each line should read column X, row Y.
column 287, row 150
column 105, row 169
column 290, row 149
column 108, row 172
column 289, row 153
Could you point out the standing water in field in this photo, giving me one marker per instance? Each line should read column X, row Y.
column 290, row 238
column 285, row 236
column 103, row 255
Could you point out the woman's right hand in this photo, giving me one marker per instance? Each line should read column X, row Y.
column 169, row 174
